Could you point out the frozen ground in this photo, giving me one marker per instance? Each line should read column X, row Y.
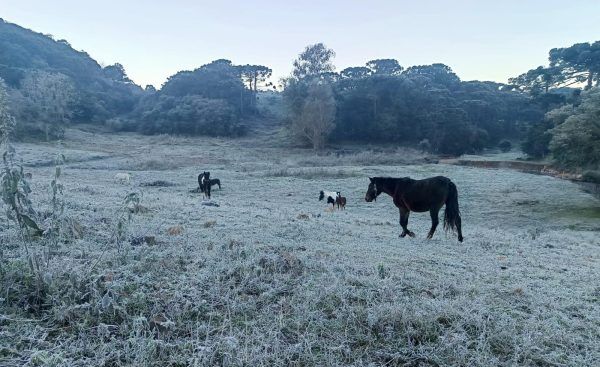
column 270, row 277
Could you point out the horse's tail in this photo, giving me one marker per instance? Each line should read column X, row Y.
column 219, row 183
column 452, row 213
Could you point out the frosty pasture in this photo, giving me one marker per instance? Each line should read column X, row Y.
column 270, row 277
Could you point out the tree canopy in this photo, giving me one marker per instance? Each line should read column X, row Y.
column 102, row 93
column 50, row 84
column 576, row 64
column 575, row 138
column 382, row 102
column 385, row 66
column 313, row 61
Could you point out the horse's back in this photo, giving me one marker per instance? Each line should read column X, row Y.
column 436, row 179
column 426, row 194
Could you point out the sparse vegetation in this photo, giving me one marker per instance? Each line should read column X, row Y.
column 14, row 187
column 310, row 173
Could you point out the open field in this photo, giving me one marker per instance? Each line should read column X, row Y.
column 270, row 277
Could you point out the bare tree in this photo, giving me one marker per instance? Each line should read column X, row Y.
column 316, row 120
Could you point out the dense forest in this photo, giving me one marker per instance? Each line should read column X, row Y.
column 551, row 110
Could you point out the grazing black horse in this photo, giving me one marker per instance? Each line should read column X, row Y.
column 205, row 183
column 420, row 196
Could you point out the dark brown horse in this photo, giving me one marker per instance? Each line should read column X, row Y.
column 420, row 196
column 340, row 201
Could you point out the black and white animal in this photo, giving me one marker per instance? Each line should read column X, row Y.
column 205, row 183
column 330, row 196
column 201, row 178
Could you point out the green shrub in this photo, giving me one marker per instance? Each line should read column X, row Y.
column 591, row 176
column 505, row 146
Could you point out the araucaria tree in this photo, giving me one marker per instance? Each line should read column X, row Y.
column 316, row 120
column 578, row 63
column 315, row 60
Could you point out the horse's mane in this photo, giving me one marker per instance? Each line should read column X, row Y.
column 390, row 181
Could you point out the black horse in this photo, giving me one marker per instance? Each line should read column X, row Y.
column 205, row 183
column 420, row 196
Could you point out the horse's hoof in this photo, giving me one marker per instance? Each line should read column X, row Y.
column 411, row 234
column 402, row 235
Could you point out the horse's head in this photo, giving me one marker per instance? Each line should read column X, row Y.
column 373, row 191
column 206, row 175
column 321, row 195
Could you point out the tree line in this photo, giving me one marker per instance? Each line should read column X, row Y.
column 424, row 105
column 210, row 100
column 430, row 107
column 49, row 85
column 551, row 110
column 570, row 130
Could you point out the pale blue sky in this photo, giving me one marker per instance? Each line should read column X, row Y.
column 485, row 40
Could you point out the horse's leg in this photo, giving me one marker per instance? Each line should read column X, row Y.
column 434, row 222
column 404, row 213
column 459, row 229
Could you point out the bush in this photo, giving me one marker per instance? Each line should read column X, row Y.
column 575, row 141
column 189, row 115
column 453, row 135
column 591, row 176
column 537, row 139
column 424, row 145
column 505, row 146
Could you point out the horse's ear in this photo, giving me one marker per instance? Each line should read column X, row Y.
column 371, row 179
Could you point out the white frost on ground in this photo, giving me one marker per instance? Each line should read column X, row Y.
column 270, row 277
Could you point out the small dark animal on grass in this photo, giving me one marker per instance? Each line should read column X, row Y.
column 420, row 196
column 205, row 183
column 201, row 180
column 330, row 196
column 340, row 201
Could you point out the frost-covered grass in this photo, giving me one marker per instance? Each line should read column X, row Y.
column 270, row 277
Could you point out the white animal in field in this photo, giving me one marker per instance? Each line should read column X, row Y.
column 123, row 178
